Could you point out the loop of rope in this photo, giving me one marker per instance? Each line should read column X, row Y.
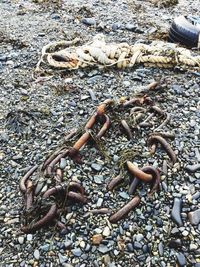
column 98, row 53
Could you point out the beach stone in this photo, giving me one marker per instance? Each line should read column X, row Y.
column 181, row 259
column 103, row 249
column 36, row 254
column 194, row 217
column 176, row 211
column 77, row 252
column 62, row 258
column 96, row 239
column 88, row 21
column 21, row 240
column 106, row 231
column 96, row 167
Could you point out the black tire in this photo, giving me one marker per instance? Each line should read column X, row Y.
column 184, row 32
column 175, row 37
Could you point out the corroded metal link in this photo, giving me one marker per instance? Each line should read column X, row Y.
column 154, row 139
column 104, row 127
column 50, row 167
column 23, row 181
column 121, row 213
column 48, row 218
column 155, row 183
column 134, row 170
column 101, row 109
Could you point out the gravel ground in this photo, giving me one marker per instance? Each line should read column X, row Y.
column 35, row 116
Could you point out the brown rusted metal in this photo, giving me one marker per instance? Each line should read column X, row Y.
column 22, row 184
column 52, row 157
column 121, row 213
column 155, row 183
column 29, row 194
column 74, row 186
column 91, row 122
column 134, row 185
column 76, row 197
column 104, row 127
column 48, row 218
column 138, row 173
column 101, row 109
column 59, row 176
column 115, row 182
column 126, row 129
column 81, row 141
column 50, row 167
column 154, row 139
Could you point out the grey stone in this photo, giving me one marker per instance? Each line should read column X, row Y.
column 67, row 243
column 45, row 247
column 63, row 163
column 29, row 237
column 160, row 249
column 130, row 247
column 137, row 245
column 124, row 195
column 194, row 217
column 99, row 202
column 88, row 21
column 77, row 252
column 36, row 254
column 103, row 249
column 62, row 258
column 130, row 27
column 176, row 211
column 139, row 237
column 98, row 179
column 96, row 167
column 148, row 228
column 21, row 239
column 193, row 168
column 181, row 259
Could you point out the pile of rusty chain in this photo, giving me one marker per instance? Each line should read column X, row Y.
column 56, row 198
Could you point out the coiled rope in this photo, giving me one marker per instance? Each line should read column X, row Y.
column 100, row 54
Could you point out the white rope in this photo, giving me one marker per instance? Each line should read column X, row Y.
column 99, row 53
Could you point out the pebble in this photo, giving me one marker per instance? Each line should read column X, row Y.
column 193, row 247
column 21, row 239
column 76, row 252
column 29, row 237
column 88, row 21
column 36, row 254
column 99, row 202
column 139, row 237
column 103, row 249
column 126, row 83
column 116, row 26
column 124, row 195
column 130, row 247
column 193, row 168
column 130, row 27
column 96, row 167
column 194, row 217
column 196, row 195
column 160, row 249
column 96, row 239
column 98, row 179
column 181, row 259
column 148, row 228
column 176, row 211
column 62, row 258
column 137, row 245
column 106, row 231
column 63, row 163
